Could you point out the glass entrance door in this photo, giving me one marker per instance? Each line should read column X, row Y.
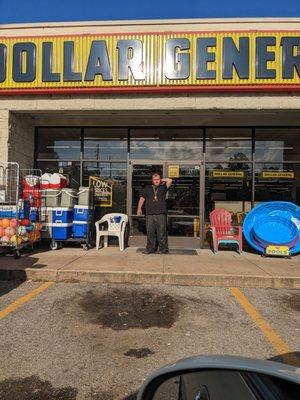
column 183, row 200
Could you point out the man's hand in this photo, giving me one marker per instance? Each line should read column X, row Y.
column 140, row 205
column 167, row 181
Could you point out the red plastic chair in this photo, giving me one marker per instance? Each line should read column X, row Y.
column 223, row 232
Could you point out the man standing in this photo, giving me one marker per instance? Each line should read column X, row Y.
column 156, row 213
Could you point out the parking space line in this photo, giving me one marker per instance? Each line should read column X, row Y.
column 277, row 342
column 24, row 299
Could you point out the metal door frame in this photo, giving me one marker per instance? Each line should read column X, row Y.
column 165, row 164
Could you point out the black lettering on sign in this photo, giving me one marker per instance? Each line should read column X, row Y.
column 177, row 64
column 290, row 56
column 236, row 58
column 204, row 56
column 24, row 62
column 47, row 61
column 130, row 59
column 98, row 63
column 263, row 55
column 3, row 51
column 69, row 74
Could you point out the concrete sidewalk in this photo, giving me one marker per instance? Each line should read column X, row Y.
column 109, row 265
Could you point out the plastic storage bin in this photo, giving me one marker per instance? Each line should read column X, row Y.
column 61, row 231
column 82, row 213
column 79, row 229
column 62, row 215
column 68, row 197
column 51, row 197
column 84, row 194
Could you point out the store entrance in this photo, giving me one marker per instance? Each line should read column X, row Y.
column 183, row 201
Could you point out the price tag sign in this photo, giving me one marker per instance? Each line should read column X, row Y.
column 278, row 251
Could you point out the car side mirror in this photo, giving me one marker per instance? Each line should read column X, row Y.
column 223, row 378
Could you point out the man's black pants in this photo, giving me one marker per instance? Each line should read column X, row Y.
column 156, row 225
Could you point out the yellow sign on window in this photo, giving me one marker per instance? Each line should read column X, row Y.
column 103, row 191
column 174, row 171
column 278, row 174
column 228, row 174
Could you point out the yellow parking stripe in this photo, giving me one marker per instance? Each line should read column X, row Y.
column 22, row 300
column 277, row 342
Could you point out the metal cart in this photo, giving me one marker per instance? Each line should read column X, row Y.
column 13, row 209
column 86, row 242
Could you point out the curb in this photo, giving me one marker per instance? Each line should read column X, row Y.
column 126, row 277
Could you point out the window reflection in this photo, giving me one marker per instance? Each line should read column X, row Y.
column 277, row 144
column 105, row 144
column 59, row 143
column 224, row 144
column 166, row 144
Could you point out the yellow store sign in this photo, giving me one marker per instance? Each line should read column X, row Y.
column 278, row 174
column 228, row 174
column 151, row 62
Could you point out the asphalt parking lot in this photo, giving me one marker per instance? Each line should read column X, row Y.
column 90, row 341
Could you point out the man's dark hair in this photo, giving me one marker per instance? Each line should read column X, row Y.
column 155, row 174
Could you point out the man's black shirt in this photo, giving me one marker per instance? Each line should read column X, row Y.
column 153, row 206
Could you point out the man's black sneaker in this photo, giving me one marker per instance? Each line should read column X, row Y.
column 163, row 252
column 148, row 252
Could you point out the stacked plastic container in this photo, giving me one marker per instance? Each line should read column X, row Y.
column 62, row 223
column 82, row 214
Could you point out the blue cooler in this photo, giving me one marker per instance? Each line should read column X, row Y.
column 82, row 213
column 79, row 229
column 61, row 231
column 64, row 215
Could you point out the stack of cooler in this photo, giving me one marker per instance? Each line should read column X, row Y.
column 62, row 223
column 80, row 222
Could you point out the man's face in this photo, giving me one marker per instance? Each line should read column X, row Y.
column 156, row 179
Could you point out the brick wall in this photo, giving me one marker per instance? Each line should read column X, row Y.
column 21, row 140
column 3, row 135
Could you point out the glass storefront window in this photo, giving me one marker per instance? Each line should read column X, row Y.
column 166, row 144
column 105, row 144
column 279, row 182
column 228, row 144
column 59, row 144
column 70, row 169
column 115, row 173
column 227, row 185
column 277, row 144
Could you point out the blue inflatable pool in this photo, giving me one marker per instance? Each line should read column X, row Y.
column 273, row 223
